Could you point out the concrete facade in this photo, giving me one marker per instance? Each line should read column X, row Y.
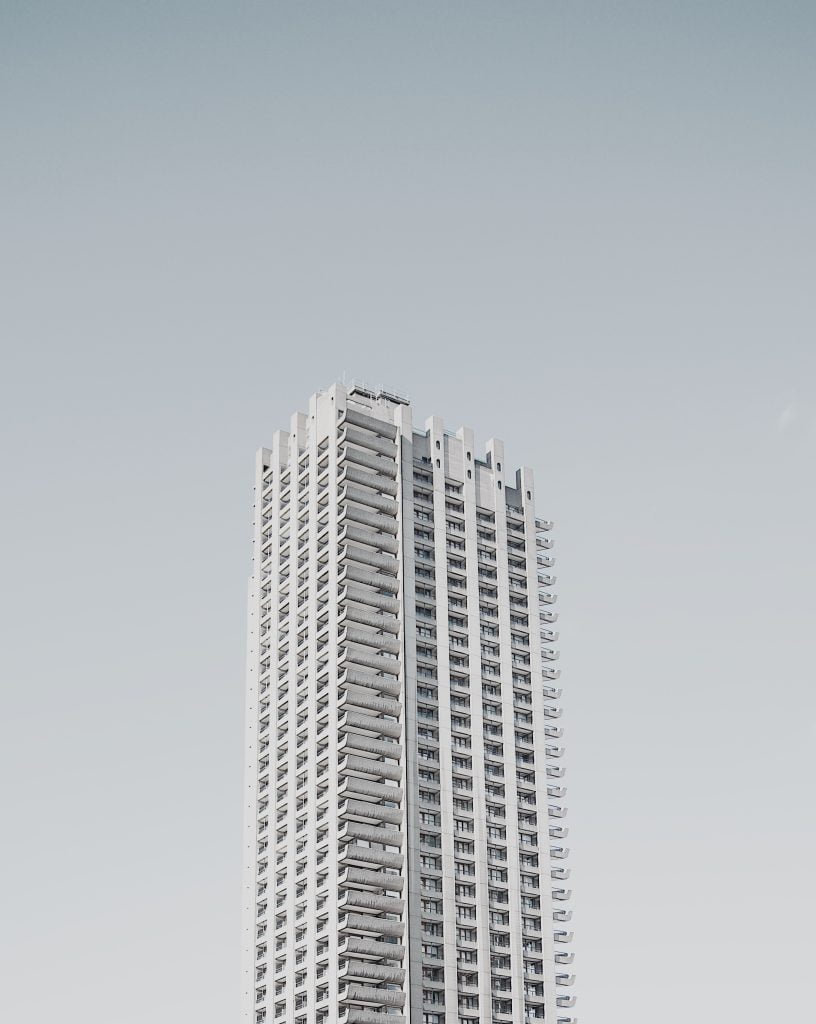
column 404, row 825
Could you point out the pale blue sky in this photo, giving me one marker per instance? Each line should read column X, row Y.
column 584, row 227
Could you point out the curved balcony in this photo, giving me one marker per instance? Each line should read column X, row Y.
column 357, row 1016
column 385, row 466
column 363, row 439
column 366, row 699
column 360, row 810
column 565, row 979
column 364, row 970
column 562, row 937
column 565, row 1001
column 353, row 855
column 380, row 541
column 559, row 852
column 545, row 615
column 371, row 682
column 564, row 958
column 358, row 574
column 362, row 788
column 354, row 554
column 380, row 880
column 558, row 832
column 354, row 830
column 368, row 597
column 372, row 948
column 350, row 742
column 353, row 514
column 350, row 633
column 366, row 924
column 377, row 481
column 360, row 419
column 354, row 765
column 362, row 496
column 369, row 723
column 363, row 901
column 369, row 995
column 378, row 662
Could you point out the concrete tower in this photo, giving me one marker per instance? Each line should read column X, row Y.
column 404, row 827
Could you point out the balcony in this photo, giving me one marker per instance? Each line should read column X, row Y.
column 360, row 721
column 381, row 881
column 384, row 466
column 368, row 925
column 364, row 789
column 353, row 855
column 354, row 742
column 364, row 970
column 351, row 434
column 377, row 481
column 365, row 659
column 362, row 811
column 371, row 949
column 351, row 830
column 380, row 684
column 369, row 702
column 355, row 1015
column 364, row 902
column 357, row 765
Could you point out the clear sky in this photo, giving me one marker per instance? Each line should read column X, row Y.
column 584, row 227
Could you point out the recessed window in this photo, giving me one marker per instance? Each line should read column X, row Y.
column 437, row 446
column 499, row 484
column 438, row 464
column 498, row 466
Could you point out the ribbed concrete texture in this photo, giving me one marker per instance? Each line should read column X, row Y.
column 404, row 825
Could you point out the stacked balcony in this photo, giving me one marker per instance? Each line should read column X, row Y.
column 371, row 861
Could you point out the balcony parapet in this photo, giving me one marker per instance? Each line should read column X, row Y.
column 385, row 466
column 377, row 481
column 363, row 439
column 359, row 419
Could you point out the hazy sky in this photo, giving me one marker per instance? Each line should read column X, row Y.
column 584, row 227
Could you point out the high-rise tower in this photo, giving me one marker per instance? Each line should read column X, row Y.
column 404, row 828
